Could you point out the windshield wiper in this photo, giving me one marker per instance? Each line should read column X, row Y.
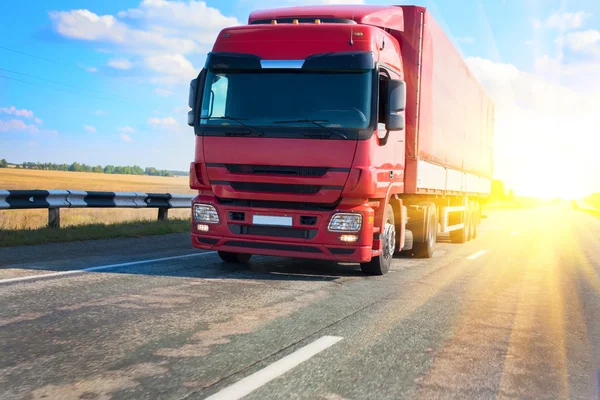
column 239, row 121
column 316, row 122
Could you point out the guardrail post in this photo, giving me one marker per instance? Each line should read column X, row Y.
column 54, row 218
column 163, row 213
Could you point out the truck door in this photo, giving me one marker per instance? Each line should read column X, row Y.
column 391, row 143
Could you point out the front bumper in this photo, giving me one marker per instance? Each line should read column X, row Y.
column 300, row 240
column 351, row 254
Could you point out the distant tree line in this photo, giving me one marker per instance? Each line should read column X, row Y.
column 99, row 169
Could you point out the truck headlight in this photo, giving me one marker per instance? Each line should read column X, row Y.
column 205, row 213
column 347, row 222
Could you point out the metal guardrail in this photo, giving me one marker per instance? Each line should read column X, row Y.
column 54, row 200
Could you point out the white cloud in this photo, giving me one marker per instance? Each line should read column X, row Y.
column 126, row 138
column 167, row 121
column 126, row 129
column 89, row 129
column 12, row 110
column 180, row 19
column 157, row 34
column 86, row 25
column 99, row 113
column 17, row 125
column 163, row 92
column 567, row 20
column 91, row 69
column 584, row 41
column 562, row 20
column 120, row 63
column 173, row 68
column 532, row 115
column 38, row 121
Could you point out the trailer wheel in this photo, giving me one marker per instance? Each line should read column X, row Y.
column 461, row 235
column 425, row 249
column 474, row 219
column 380, row 265
column 235, row 258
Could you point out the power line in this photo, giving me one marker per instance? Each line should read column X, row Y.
column 15, row 79
column 71, row 66
column 31, row 55
column 62, row 90
column 55, row 82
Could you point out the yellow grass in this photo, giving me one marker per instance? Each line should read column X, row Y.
column 25, row 179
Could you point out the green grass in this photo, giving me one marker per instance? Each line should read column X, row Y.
column 92, row 232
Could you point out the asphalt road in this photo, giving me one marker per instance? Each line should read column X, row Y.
column 512, row 314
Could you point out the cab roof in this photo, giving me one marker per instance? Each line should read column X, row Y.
column 386, row 17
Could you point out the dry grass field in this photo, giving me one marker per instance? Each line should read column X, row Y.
column 20, row 179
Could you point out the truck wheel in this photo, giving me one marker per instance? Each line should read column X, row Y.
column 474, row 220
column 461, row 235
column 425, row 249
column 380, row 265
column 235, row 258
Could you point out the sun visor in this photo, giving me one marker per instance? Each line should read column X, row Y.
column 236, row 61
column 344, row 61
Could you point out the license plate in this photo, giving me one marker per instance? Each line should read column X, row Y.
column 270, row 220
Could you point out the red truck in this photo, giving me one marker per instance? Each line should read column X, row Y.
column 343, row 133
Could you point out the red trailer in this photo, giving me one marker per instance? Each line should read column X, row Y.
column 347, row 133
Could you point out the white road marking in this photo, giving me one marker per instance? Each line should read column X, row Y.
column 278, row 368
column 100, row 268
column 476, row 255
column 514, row 233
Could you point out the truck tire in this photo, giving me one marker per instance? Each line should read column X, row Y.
column 474, row 219
column 425, row 249
column 235, row 258
column 462, row 235
column 380, row 265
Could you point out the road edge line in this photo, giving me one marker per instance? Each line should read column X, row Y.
column 99, row 268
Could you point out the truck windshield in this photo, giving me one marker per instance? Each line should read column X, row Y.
column 335, row 100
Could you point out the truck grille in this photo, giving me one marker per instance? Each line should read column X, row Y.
column 276, row 170
column 273, row 231
column 286, row 205
column 275, row 187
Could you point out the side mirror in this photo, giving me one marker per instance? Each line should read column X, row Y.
column 396, row 105
column 195, row 96
column 192, row 101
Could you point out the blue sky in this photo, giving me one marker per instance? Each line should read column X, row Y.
column 106, row 81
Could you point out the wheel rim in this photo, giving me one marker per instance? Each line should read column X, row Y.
column 389, row 239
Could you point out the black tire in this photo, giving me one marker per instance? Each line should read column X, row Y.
column 426, row 249
column 461, row 235
column 408, row 243
column 380, row 265
column 474, row 219
column 235, row 258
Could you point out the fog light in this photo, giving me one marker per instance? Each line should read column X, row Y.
column 348, row 238
column 205, row 213
column 202, row 228
column 345, row 222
